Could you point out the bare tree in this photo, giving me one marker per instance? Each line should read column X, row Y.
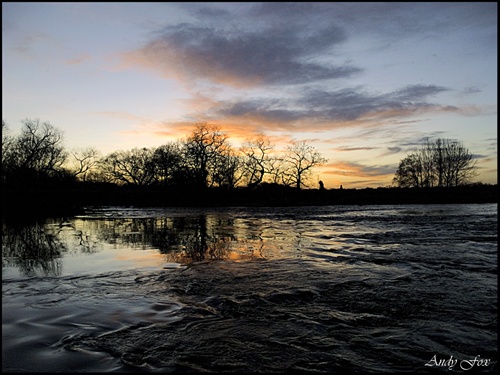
column 228, row 169
column 299, row 159
column 458, row 164
column 427, row 161
column 133, row 167
column 440, row 163
column 409, row 171
column 7, row 152
column 84, row 163
column 167, row 161
column 204, row 152
column 37, row 153
column 257, row 160
column 6, row 139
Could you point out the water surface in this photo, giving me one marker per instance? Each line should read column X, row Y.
column 380, row 289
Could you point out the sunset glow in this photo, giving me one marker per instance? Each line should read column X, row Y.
column 364, row 83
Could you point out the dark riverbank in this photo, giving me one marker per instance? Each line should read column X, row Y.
column 72, row 199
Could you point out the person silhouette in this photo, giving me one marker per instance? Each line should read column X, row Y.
column 321, row 185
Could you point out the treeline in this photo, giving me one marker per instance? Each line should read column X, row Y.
column 69, row 201
column 203, row 169
column 204, row 159
column 442, row 163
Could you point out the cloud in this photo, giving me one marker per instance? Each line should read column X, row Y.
column 347, row 148
column 285, row 66
column 393, row 150
column 274, row 55
column 35, row 46
column 351, row 169
column 492, row 144
column 353, row 103
column 471, row 90
column 79, row 59
column 317, row 110
column 328, row 109
column 479, row 156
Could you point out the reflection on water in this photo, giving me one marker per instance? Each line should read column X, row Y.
column 125, row 238
column 32, row 249
column 41, row 248
column 378, row 289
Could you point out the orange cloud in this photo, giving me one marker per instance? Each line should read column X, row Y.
column 79, row 59
column 351, row 178
column 343, row 168
column 355, row 174
column 173, row 63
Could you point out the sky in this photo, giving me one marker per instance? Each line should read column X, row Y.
column 365, row 84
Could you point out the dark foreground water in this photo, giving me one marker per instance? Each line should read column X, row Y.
column 362, row 289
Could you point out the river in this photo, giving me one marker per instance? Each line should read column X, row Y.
column 348, row 289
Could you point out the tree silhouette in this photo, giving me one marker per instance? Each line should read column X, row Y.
column 299, row 159
column 443, row 163
column 85, row 163
column 257, row 161
column 205, row 152
column 167, row 160
column 36, row 155
column 133, row 167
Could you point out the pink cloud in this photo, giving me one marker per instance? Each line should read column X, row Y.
column 79, row 59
